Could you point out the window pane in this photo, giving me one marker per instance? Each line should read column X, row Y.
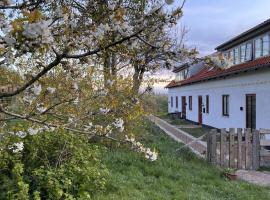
column 236, row 56
column 231, row 55
column 265, row 40
column 243, row 51
column 258, row 48
column 248, row 52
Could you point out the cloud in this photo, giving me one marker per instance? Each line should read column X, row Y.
column 211, row 23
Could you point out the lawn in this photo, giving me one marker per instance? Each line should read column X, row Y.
column 172, row 176
column 197, row 132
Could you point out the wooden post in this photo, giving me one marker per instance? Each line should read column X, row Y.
column 223, row 147
column 231, row 149
column 208, row 152
column 213, row 146
column 255, row 150
column 239, row 158
column 247, row 148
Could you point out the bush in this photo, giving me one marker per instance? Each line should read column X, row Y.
column 52, row 165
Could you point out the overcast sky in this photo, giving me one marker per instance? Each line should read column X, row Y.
column 212, row 22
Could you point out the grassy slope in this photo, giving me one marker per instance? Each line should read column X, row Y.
column 171, row 177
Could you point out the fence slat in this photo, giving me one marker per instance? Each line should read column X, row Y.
column 231, row 148
column 255, row 150
column 239, row 148
column 248, row 148
column 223, row 147
column 214, row 146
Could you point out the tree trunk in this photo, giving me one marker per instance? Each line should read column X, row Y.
column 137, row 78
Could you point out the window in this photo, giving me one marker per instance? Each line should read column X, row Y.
column 176, row 101
column 248, row 55
column 225, row 105
column 207, row 103
column 243, row 52
column 258, row 48
column 236, row 56
column 190, row 102
column 171, row 101
column 231, row 55
column 265, row 45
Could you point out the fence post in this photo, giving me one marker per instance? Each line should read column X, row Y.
column 255, row 150
column 247, row 149
column 223, row 147
column 208, row 146
column 213, row 146
column 231, row 149
column 239, row 159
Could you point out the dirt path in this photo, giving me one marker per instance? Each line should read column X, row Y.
column 199, row 147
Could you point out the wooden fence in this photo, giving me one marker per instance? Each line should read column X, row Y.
column 241, row 149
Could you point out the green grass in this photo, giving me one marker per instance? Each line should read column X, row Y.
column 196, row 132
column 172, row 176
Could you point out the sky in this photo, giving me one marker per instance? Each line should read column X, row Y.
column 212, row 22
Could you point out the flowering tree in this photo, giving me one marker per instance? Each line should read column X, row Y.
column 69, row 60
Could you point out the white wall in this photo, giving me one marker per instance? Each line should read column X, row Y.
column 257, row 82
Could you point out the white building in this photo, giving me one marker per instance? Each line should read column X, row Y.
column 233, row 97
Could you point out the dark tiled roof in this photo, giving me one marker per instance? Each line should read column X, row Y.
column 209, row 74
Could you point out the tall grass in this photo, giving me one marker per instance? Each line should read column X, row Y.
column 172, row 176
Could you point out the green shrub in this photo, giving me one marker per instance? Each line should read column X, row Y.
column 52, row 165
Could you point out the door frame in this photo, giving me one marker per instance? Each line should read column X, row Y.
column 200, row 110
column 251, row 95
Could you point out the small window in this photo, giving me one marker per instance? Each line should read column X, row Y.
column 171, row 101
column 248, row 55
column 225, row 105
column 265, row 45
column 243, row 52
column 190, row 102
column 258, row 48
column 236, row 56
column 176, row 101
column 207, row 103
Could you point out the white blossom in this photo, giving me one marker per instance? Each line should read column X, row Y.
column 76, row 101
column 18, row 147
column 21, row 134
column 149, row 155
column 39, row 29
column 51, row 90
column 104, row 110
column 41, row 108
column 88, row 127
column 32, row 131
column 112, row 4
column 29, row 99
column 75, row 86
column 37, row 89
column 119, row 123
